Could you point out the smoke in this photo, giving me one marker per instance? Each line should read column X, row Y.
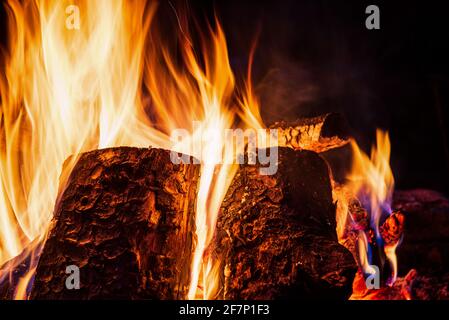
column 286, row 92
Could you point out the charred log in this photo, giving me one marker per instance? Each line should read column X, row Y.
column 392, row 229
column 126, row 220
column 277, row 233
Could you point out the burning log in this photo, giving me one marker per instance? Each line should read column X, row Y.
column 359, row 233
column 424, row 248
column 358, row 220
column 277, row 233
column 318, row 134
column 126, row 220
column 392, row 229
column 359, row 216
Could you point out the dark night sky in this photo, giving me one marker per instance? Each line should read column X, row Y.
column 317, row 56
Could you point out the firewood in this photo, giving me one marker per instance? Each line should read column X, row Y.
column 358, row 224
column 126, row 219
column 393, row 228
column 277, row 235
column 357, row 221
column 317, row 134
column 359, row 216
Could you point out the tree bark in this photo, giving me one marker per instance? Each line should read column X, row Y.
column 277, row 235
column 126, row 219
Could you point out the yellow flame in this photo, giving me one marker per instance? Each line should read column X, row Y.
column 363, row 254
column 390, row 252
column 66, row 91
column 372, row 176
column 371, row 181
column 21, row 290
column 203, row 91
column 341, row 195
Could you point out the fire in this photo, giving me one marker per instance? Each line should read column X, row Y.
column 118, row 82
column 64, row 92
column 372, row 179
column 114, row 82
column 370, row 186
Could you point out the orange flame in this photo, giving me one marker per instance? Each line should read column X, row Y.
column 67, row 91
column 370, row 181
column 372, row 178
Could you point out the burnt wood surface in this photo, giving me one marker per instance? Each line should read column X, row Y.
column 126, row 219
column 319, row 134
column 277, row 235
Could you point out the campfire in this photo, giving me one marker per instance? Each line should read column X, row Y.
column 137, row 167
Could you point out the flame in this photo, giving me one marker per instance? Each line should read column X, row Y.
column 63, row 92
column 372, row 179
column 371, row 182
column 114, row 82
column 22, row 290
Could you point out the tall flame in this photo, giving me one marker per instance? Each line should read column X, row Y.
column 67, row 91
column 372, row 179
column 371, row 182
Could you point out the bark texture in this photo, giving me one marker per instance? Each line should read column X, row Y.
column 126, row 219
column 277, row 236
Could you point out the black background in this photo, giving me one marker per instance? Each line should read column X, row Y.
column 170, row 309
column 315, row 56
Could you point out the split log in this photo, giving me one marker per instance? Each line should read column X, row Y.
column 126, row 219
column 277, row 235
column 317, row 134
